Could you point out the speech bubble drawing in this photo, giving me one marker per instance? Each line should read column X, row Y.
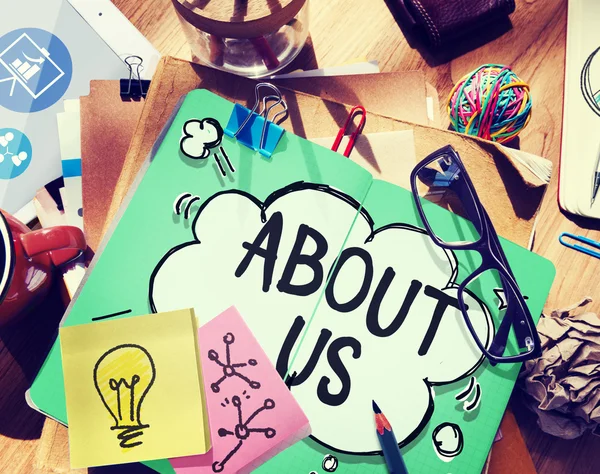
column 387, row 326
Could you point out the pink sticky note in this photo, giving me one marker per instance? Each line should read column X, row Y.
column 252, row 414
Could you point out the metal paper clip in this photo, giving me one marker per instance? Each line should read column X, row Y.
column 580, row 248
column 270, row 130
column 129, row 88
column 358, row 109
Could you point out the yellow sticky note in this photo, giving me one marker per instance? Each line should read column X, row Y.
column 134, row 389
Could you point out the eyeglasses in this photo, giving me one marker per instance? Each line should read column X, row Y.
column 441, row 180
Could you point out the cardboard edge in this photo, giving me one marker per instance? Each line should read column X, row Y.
column 33, row 406
column 494, row 149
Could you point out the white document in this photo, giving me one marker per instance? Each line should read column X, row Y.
column 581, row 119
column 48, row 53
column 370, row 67
column 69, row 133
column 118, row 32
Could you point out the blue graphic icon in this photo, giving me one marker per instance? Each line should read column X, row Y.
column 15, row 153
column 35, row 70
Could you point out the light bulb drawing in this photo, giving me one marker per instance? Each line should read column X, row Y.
column 230, row 369
column 242, row 430
column 123, row 376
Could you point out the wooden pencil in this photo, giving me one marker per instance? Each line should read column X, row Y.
column 389, row 444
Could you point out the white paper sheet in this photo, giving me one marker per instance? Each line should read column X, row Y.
column 370, row 67
column 64, row 55
column 69, row 133
column 118, row 32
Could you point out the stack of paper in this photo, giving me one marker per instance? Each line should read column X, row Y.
column 135, row 258
column 40, row 66
column 45, row 51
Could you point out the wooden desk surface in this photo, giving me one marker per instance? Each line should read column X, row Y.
column 342, row 30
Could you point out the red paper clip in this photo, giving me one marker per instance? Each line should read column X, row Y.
column 358, row 109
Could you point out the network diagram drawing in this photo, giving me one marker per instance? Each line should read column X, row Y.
column 17, row 157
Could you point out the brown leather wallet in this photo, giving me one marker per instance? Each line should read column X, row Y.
column 444, row 20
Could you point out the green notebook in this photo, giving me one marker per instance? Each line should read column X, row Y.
column 335, row 277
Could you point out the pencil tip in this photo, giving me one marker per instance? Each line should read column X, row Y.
column 376, row 408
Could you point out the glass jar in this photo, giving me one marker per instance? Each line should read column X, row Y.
column 252, row 38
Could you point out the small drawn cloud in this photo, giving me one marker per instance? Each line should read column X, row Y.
column 199, row 137
column 448, row 441
column 330, row 463
column 380, row 332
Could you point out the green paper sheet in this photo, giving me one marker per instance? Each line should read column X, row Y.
column 300, row 243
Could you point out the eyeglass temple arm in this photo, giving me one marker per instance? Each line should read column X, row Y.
column 521, row 328
column 500, row 338
column 522, row 331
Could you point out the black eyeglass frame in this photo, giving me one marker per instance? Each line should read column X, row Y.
column 488, row 246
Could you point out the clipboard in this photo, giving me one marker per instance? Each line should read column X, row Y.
column 103, row 114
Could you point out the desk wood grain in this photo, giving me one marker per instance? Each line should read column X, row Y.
column 342, row 30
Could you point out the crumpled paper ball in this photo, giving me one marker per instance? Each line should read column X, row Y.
column 563, row 385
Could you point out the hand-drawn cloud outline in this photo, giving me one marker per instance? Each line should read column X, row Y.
column 303, row 186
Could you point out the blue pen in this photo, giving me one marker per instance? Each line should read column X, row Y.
column 580, row 248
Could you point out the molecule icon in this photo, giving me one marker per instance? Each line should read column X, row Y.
column 17, row 158
column 242, row 431
column 15, row 153
column 230, row 369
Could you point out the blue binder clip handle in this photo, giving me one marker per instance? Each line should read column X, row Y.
column 255, row 130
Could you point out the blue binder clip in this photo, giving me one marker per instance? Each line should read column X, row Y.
column 255, row 130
